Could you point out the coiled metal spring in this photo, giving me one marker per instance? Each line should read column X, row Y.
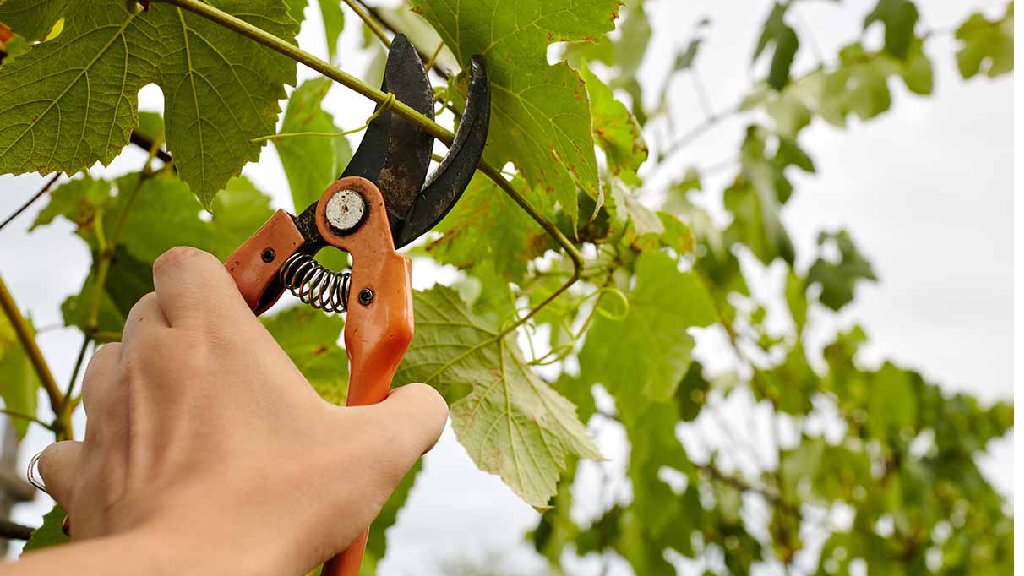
column 314, row 284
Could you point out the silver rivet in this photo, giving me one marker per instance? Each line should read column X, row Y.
column 345, row 210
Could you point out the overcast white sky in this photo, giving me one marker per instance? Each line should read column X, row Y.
column 926, row 192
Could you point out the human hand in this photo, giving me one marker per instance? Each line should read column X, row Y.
column 203, row 435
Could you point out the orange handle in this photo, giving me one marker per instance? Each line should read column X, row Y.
column 379, row 325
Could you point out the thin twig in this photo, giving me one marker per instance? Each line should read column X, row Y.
column 28, row 342
column 46, row 188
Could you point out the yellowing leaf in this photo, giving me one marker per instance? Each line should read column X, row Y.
column 511, row 422
column 72, row 101
column 539, row 114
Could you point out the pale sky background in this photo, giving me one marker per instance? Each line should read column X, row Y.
column 926, row 192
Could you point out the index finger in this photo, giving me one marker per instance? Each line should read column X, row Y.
column 194, row 288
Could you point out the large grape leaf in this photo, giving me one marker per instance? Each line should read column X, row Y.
column 641, row 357
column 510, row 421
column 539, row 114
column 72, row 101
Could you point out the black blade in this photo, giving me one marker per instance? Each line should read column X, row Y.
column 448, row 183
column 394, row 153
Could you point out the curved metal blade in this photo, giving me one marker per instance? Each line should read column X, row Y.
column 447, row 184
column 394, row 153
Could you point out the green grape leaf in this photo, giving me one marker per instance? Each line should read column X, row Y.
column 790, row 384
column 163, row 214
column 485, row 211
column 692, row 393
column 859, row 85
column 334, row 23
column 311, row 162
column 72, row 101
column 986, row 46
column 892, row 402
column 539, row 114
column 19, row 385
column 615, row 130
column 50, row 533
column 310, row 338
column 838, row 279
column 784, row 42
column 511, row 422
column 623, row 54
column 151, row 126
column 31, row 19
column 758, row 193
column 899, row 18
column 641, row 357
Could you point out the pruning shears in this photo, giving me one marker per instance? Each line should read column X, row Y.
column 381, row 202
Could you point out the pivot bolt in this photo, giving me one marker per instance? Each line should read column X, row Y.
column 345, row 210
column 268, row 255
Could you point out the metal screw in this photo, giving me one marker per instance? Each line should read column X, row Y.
column 268, row 255
column 365, row 296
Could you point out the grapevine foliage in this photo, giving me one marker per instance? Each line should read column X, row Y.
column 657, row 271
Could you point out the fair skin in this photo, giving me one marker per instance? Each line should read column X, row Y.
column 207, row 452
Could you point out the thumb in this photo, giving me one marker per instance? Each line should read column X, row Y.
column 418, row 411
column 59, row 468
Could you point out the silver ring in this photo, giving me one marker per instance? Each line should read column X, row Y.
column 33, row 478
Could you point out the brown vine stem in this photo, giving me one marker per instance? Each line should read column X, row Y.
column 295, row 53
column 28, row 342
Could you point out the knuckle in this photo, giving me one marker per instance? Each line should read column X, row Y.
column 180, row 255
